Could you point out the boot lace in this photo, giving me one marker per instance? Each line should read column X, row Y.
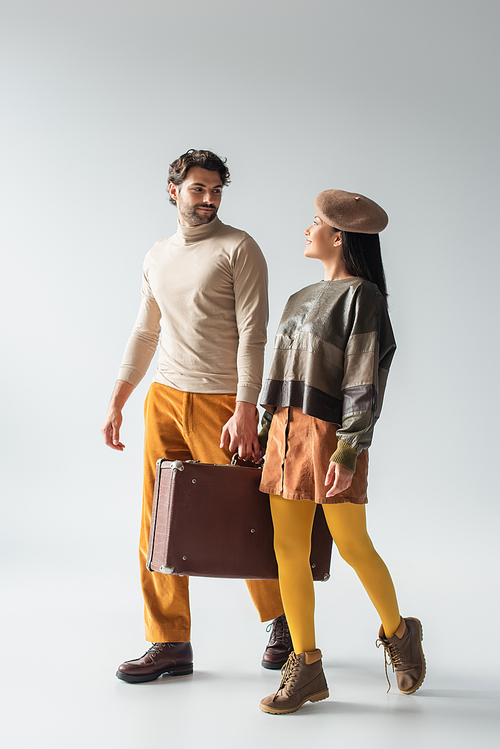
column 279, row 631
column 392, row 656
column 288, row 672
column 156, row 648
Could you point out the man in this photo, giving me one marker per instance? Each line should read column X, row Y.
column 204, row 299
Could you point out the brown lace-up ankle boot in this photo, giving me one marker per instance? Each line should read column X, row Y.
column 303, row 680
column 403, row 651
column 174, row 658
column 279, row 646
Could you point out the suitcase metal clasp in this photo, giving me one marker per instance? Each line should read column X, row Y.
column 176, row 465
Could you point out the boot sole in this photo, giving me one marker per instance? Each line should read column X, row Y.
column 138, row 679
column 273, row 665
column 422, row 659
column 312, row 698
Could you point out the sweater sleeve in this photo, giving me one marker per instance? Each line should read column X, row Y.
column 144, row 338
column 251, row 308
column 368, row 355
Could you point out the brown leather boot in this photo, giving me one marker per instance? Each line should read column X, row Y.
column 403, row 651
column 279, row 646
column 174, row 658
column 303, row 681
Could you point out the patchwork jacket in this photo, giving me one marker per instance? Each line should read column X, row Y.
column 332, row 354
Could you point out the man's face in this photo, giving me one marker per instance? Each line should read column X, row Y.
column 198, row 197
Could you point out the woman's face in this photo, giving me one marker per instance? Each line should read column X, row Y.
column 320, row 240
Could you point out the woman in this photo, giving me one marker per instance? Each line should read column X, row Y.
column 323, row 396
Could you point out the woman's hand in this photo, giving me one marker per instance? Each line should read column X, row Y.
column 341, row 477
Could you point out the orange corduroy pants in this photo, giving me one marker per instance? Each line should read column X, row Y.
column 184, row 426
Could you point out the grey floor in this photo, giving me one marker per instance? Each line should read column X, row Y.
column 67, row 631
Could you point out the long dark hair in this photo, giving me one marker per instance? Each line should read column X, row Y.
column 362, row 257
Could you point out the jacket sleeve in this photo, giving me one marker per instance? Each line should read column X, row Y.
column 367, row 358
column 144, row 338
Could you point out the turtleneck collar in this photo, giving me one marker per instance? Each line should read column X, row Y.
column 193, row 234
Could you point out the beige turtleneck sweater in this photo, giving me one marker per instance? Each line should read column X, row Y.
column 204, row 298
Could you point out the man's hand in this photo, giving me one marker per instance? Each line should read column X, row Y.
column 341, row 477
column 111, row 428
column 240, row 432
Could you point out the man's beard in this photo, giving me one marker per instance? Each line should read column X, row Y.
column 195, row 219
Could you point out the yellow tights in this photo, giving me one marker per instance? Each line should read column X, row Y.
column 293, row 520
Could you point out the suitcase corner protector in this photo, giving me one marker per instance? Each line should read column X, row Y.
column 166, row 570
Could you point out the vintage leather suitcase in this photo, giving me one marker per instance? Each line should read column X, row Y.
column 212, row 521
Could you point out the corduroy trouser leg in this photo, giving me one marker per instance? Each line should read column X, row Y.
column 184, row 426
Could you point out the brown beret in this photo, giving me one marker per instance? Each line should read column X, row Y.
column 350, row 211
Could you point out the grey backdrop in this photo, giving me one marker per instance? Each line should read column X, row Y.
column 395, row 99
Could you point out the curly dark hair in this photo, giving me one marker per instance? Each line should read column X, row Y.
column 179, row 168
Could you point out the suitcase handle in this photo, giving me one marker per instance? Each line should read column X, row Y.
column 237, row 461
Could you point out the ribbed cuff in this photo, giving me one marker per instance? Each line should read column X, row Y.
column 132, row 376
column 345, row 455
column 247, row 394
